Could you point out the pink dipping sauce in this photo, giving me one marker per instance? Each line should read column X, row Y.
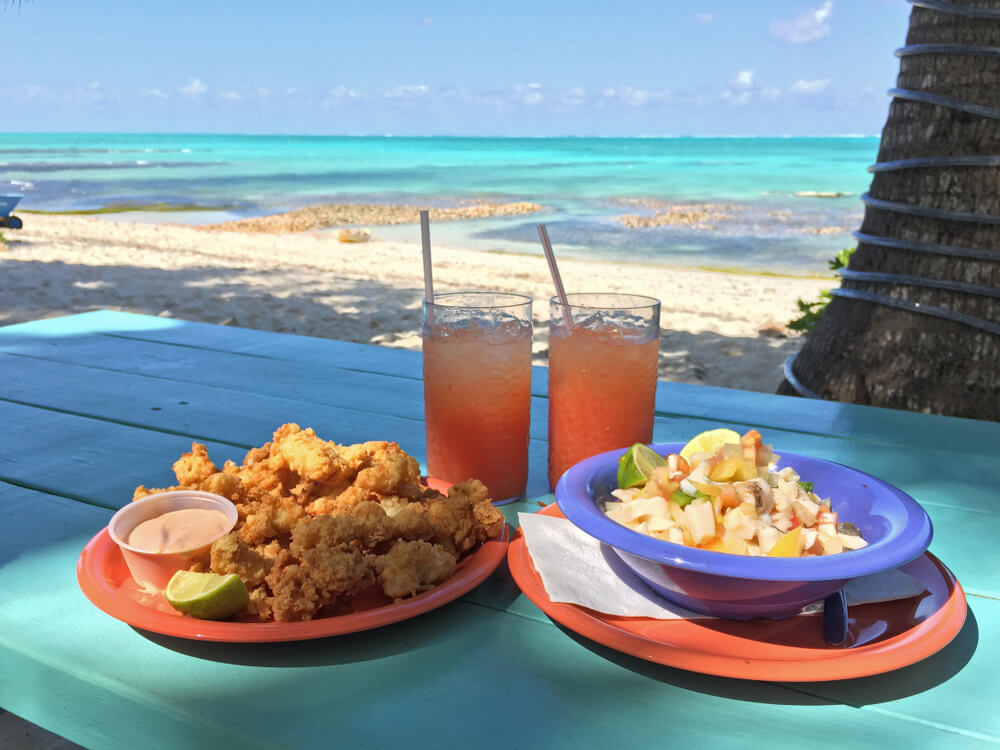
column 179, row 530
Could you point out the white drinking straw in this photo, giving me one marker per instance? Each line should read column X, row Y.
column 425, row 240
column 543, row 235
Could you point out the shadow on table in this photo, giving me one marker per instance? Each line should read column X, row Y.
column 900, row 683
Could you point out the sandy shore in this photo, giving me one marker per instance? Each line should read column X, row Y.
column 718, row 328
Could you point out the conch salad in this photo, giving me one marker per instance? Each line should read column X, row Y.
column 732, row 499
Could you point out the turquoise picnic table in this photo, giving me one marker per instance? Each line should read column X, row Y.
column 94, row 404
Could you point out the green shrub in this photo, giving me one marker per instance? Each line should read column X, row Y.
column 811, row 311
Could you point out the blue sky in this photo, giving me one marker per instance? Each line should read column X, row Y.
column 628, row 67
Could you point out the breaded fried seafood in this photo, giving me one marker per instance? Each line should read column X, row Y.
column 320, row 523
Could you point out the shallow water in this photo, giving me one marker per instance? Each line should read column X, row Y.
column 584, row 184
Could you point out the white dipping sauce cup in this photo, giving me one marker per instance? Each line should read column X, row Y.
column 153, row 570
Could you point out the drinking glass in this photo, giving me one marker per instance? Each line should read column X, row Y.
column 477, row 389
column 603, row 360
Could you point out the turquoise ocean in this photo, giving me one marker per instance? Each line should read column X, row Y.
column 766, row 187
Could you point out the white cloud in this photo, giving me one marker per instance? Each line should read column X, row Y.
column 230, row 95
column 404, row 92
column 737, row 99
column 90, row 92
column 574, row 97
column 706, row 17
column 263, row 92
column 805, row 29
column 636, row 97
column 744, row 89
column 810, row 87
column 532, row 97
column 194, row 88
column 343, row 92
column 32, row 90
column 155, row 93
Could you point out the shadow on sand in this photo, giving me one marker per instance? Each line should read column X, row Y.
column 366, row 311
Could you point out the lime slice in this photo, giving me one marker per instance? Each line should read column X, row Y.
column 636, row 465
column 207, row 596
column 709, row 441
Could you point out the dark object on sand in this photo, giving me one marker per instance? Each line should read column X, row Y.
column 7, row 203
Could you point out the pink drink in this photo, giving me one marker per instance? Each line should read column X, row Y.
column 602, row 377
column 477, row 394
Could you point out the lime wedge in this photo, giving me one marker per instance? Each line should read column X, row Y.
column 709, row 441
column 636, row 465
column 207, row 596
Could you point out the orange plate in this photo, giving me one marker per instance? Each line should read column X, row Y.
column 882, row 637
column 105, row 580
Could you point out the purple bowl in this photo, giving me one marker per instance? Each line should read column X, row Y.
column 739, row 587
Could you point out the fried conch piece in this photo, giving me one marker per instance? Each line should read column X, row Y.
column 232, row 555
column 414, row 566
column 319, row 578
column 365, row 527
column 195, row 467
column 311, row 457
column 465, row 517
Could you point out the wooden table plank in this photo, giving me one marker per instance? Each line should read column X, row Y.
column 107, row 359
column 281, row 346
column 362, row 391
column 719, row 406
column 248, row 418
column 100, row 461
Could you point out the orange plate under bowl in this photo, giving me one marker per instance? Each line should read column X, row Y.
column 882, row 637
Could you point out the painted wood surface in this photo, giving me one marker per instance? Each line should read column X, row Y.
column 95, row 404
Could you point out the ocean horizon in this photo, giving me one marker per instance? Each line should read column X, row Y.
column 780, row 203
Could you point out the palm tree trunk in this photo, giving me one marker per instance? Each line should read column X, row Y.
column 916, row 322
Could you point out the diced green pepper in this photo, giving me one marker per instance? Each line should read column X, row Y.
column 806, row 486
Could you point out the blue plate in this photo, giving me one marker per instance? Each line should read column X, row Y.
column 895, row 526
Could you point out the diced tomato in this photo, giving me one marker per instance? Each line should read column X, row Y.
column 728, row 497
column 796, row 522
column 751, row 443
column 826, row 515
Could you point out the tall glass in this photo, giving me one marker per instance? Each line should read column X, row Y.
column 603, row 361
column 477, row 389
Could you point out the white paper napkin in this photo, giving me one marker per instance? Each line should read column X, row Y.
column 576, row 568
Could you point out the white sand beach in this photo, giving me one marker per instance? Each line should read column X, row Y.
column 724, row 329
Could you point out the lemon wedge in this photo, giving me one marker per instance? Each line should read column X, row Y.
column 709, row 441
